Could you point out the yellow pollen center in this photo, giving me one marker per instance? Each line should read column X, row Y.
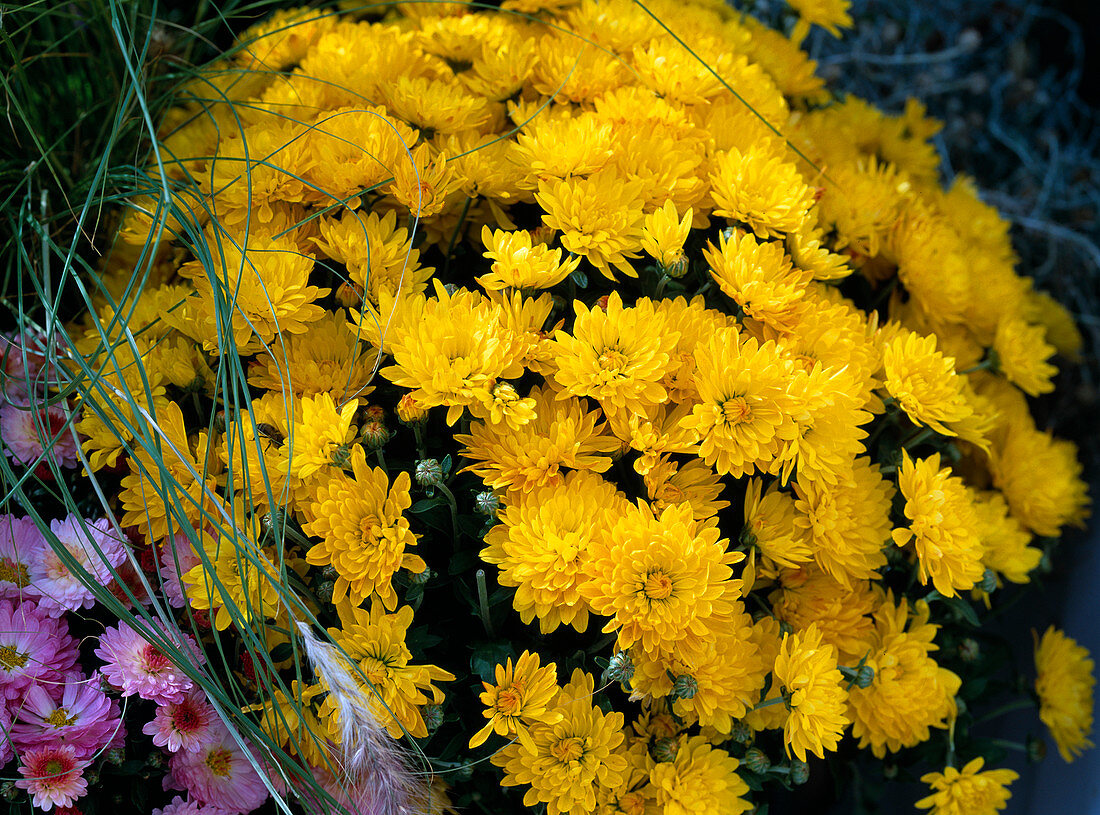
column 658, row 586
column 736, row 410
column 12, row 572
column 566, row 750
column 54, row 767
column 369, row 530
column 10, row 658
column 218, row 762
column 510, row 701
column 612, row 360
column 60, row 718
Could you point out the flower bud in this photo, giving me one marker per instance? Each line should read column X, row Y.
column 329, row 573
column 685, row 687
column 409, row 410
column 741, row 733
column 800, row 771
column 433, row 717
column 324, row 591
column 678, row 268
column 8, row 791
column 374, row 435
column 420, row 578
column 988, row 582
column 620, row 668
column 486, row 503
column 116, row 756
column 375, row 413
column 969, row 650
column 889, row 770
column 664, row 749
column 1036, row 749
column 756, row 760
column 156, row 759
column 429, row 472
column 865, row 676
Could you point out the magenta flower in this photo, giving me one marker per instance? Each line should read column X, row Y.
column 186, row 725
column 33, row 648
column 179, row 806
column 177, row 551
column 137, row 666
column 20, row 544
column 97, row 549
column 82, row 719
column 27, row 431
column 53, row 775
column 220, row 774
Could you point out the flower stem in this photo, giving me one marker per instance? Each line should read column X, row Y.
column 450, row 496
column 781, row 699
column 483, row 603
column 1015, row 704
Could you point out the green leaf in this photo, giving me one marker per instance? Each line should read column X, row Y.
column 963, row 609
column 426, row 504
column 486, row 657
column 580, row 278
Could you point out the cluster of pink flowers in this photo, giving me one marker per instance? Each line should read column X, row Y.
column 60, row 721
column 33, row 426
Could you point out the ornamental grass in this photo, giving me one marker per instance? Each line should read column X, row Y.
column 564, row 407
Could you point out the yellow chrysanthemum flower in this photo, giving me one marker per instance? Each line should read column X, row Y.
column 364, row 535
column 848, row 523
column 570, row 760
column 746, row 408
column 807, row 595
column 544, row 544
column 422, row 182
column 571, row 70
column 436, row 105
column 280, row 41
column 832, row 15
column 943, row 526
column 1057, row 322
column 520, row 263
column 700, row 780
column 969, row 792
column 327, row 359
column 564, row 146
column 924, row 382
column 722, row 682
column 563, row 434
column 292, row 722
column 759, row 277
column 1004, row 538
column 1040, row 477
column 761, row 190
column 770, row 525
column 1022, row 354
column 617, row 355
column 666, row 582
column 321, row 434
column 1064, row 683
column 599, row 217
column 692, row 483
column 806, row 670
column 663, row 235
column 910, row 693
column 523, row 695
column 375, row 642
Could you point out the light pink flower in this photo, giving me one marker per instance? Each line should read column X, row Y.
column 186, row 725
column 184, row 555
column 220, row 774
column 137, row 666
column 179, row 806
column 95, row 547
column 21, row 364
column 28, row 430
column 33, row 648
column 53, row 775
column 83, row 718
column 20, row 544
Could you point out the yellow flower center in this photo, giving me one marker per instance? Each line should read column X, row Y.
column 10, row 658
column 54, row 768
column 59, row 718
column 218, row 762
column 369, row 530
column 510, row 701
column 736, row 410
column 672, row 494
column 612, row 360
column 12, row 572
column 568, row 750
column 658, row 586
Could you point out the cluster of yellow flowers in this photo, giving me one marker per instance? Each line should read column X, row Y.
column 785, row 292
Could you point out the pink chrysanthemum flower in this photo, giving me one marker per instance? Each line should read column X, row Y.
column 185, row 725
column 184, row 556
column 180, row 806
column 33, row 648
column 27, row 431
column 82, row 719
column 220, row 774
column 137, row 666
column 20, row 366
column 97, row 549
column 7, row 749
column 20, row 543
column 53, row 775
